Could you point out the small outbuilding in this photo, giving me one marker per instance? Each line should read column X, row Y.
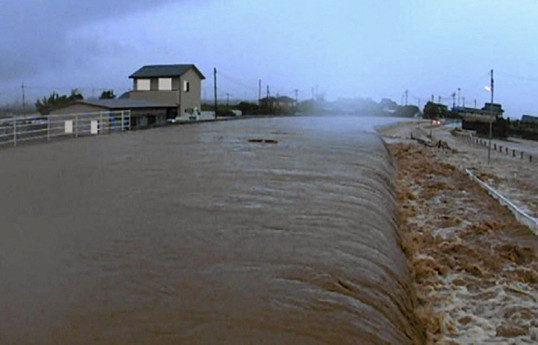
column 143, row 113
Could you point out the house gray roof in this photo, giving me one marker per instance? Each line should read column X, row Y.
column 529, row 119
column 124, row 95
column 126, row 103
column 155, row 71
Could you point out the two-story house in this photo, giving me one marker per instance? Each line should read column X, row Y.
column 160, row 93
column 170, row 84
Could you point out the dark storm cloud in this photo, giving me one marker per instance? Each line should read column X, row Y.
column 34, row 33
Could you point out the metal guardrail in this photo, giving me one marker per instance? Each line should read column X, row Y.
column 522, row 155
column 520, row 215
column 17, row 129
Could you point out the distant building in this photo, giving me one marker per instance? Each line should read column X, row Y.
column 529, row 119
column 180, row 85
column 487, row 110
column 282, row 103
column 479, row 119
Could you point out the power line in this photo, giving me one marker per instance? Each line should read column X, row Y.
column 519, row 77
column 237, row 81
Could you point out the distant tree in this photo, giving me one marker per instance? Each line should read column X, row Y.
column 388, row 104
column 208, row 107
column 107, row 94
column 47, row 104
column 435, row 110
column 306, row 107
column 407, row 111
column 75, row 95
column 248, row 108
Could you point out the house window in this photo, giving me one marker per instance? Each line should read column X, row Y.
column 143, row 85
column 186, row 86
column 165, row 84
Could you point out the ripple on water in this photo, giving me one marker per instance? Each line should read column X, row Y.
column 205, row 237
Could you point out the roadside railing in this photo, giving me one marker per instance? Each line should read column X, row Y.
column 504, row 149
column 17, row 129
column 520, row 215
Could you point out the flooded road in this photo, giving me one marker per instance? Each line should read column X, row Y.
column 196, row 235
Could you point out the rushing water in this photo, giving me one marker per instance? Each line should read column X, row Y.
column 194, row 234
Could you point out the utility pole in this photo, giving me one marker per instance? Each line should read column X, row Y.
column 453, row 100
column 296, row 96
column 227, row 99
column 491, row 119
column 459, row 92
column 23, row 99
column 463, row 99
column 433, row 98
column 215, row 89
column 439, row 99
column 259, row 91
column 406, row 96
column 268, row 93
column 475, row 103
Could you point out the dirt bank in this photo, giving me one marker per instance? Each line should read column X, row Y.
column 474, row 266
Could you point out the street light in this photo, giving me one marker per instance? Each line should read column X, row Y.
column 490, row 89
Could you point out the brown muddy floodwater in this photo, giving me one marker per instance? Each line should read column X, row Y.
column 195, row 235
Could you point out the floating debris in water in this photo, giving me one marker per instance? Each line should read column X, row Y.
column 263, row 141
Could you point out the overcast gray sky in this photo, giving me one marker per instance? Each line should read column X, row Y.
column 345, row 48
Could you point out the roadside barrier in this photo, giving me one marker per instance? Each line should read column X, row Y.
column 520, row 215
column 17, row 129
column 522, row 155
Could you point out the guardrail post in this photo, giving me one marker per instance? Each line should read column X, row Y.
column 76, row 125
column 48, row 127
column 521, row 154
column 530, row 158
column 100, row 122
column 122, row 121
column 513, row 153
column 14, row 131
